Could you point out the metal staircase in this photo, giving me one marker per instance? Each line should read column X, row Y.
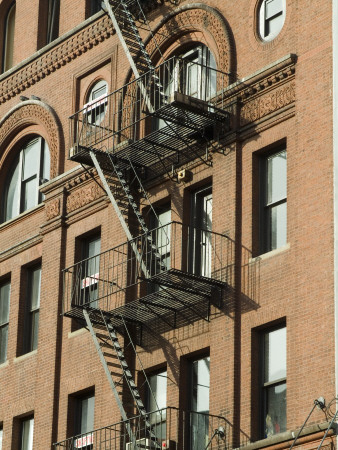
column 117, row 369
column 120, row 165
column 127, row 31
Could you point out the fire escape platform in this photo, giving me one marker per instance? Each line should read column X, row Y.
column 187, row 123
column 176, row 298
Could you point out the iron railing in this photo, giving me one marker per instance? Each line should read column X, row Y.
column 161, row 256
column 130, row 113
column 171, row 429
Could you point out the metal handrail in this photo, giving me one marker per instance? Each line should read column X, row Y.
column 172, row 247
column 172, row 425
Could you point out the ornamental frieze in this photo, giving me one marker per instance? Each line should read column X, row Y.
column 268, row 103
column 192, row 19
column 33, row 112
column 84, row 196
column 52, row 209
column 55, row 58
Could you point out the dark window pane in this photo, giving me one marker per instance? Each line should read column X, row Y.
column 86, row 412
column 275, row 418
column 95, row 6
column 53, row 20
column 32, row 311
column 9, row 38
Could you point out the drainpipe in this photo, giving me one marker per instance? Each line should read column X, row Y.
column 335, row 171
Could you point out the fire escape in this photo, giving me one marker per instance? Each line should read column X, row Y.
column 165, row 118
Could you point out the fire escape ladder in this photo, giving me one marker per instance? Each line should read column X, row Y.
column 119, row 213
column 125, row 193
column 100, row 342
column 133, row 46
column 116, row 368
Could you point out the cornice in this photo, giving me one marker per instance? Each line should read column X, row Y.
column 271, row 90
column 268, row 76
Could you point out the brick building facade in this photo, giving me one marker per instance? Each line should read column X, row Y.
column 227, row 311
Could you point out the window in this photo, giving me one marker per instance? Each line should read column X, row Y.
column 7, row 62
column 32, row 309
column 94, row 6
column 4, row 319
column 159, row 245
column 199, row 403
column 273, row 349
column 199, row 77
column 84, row 421
column 30, row 169
column 157, row 401
column 273, row 213
column 193, row 74
column 271, row 18
column 52, row 20
column 27, row 430
column 1, row 434
column 201, row 220
column 160, row 223
column 90, row 268
column 95, row 108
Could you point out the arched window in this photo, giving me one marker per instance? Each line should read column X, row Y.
column 30, row 169
column 9, row 39
column 95, row 108
column 271, row 18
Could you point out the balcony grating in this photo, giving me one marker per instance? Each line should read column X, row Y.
column 137, row 124
column 182, row 298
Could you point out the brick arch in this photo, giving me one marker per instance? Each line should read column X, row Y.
column 25, row 115
column 201, row 21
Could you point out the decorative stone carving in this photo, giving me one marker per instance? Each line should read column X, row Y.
column 268, row 103
column 55, row 58
column 84, row 196
column 33, row 113
column 192, row 19
column 52, row 209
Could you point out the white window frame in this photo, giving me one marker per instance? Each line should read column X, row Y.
column 267, row 240
column 95, row 103
column 264, row 21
